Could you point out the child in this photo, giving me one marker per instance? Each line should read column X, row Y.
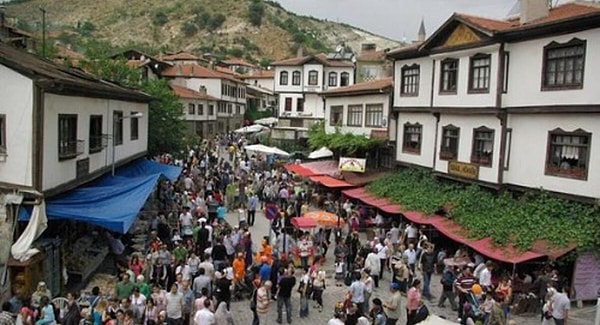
column 340, row 271
column 486, row 307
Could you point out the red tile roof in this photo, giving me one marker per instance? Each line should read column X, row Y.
column 321, row 57
column 261, row 74
column 187, row 93
column 179, row 56
column 372, row 55
column 191, row 70
column 363, row 87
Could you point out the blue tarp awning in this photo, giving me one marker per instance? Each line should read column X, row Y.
column 110, row 202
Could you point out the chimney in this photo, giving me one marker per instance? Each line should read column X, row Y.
column 533, row 9
column 202, row 90
column 300, row 52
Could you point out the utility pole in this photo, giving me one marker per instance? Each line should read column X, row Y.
column 43, row 31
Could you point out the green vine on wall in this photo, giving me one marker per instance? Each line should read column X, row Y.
column 502, row 217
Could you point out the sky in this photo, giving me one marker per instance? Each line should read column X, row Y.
column 397, row 19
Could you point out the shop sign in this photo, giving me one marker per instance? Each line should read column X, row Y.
column 462, row 169
column 356, row 165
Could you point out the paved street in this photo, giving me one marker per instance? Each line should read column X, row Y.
column 243, row 315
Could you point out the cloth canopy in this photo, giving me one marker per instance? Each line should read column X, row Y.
column 267, row 121
column 303, row 223
column 250, row 129
column 321, row 153
column 266, row 150
column 324, row 218
column 111, row 202
column 384, row 204
column 329, row 181
column 299, row 170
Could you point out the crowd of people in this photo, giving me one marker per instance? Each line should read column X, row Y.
column 195, row 263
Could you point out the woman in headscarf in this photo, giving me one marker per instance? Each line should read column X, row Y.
column 41, row 291
column 223, row 316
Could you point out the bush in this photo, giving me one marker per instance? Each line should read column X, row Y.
column 189, row 28
column 216, row 21
column 255, row 12
column 86, row 28
column 203, row 19
column 160, row 18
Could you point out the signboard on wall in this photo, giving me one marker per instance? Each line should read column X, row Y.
column 586, row 278
column 464, row 170
column 356, row 165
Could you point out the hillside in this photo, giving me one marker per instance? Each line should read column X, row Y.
column 220, row 27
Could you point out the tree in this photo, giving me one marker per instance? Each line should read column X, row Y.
column 255, row 12
column 160, row 18
column 189, row 28
column 343, row 143
column 165, row 125
column 216, row 21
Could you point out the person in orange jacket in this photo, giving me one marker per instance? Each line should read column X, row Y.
column 239, row 268
column 266, row 251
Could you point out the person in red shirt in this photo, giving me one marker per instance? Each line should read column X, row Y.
column 463, row 285
column 413, row 301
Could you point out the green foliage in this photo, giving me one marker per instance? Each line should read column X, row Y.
column 265, row 62
column 86, row 28
column 160, row 18
column 235, row 52
column 252, row 113
column 346, row 144
column 502, row 217
column 50, row 51
column 189, row 28
column 255, row 12
column 248, row 45
column 165, row 125
column 274, row 4
column 216, row 21
column 205, row 20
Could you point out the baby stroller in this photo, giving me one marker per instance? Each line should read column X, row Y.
column 471, row 309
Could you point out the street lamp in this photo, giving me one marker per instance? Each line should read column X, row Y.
column 116, row 119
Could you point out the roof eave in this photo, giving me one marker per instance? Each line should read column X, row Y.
column 379, row 91
column 71, row 89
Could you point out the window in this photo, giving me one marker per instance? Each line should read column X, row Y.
column 118, row 126
column 229, row 108
column 449, row 145
column 374, row 115
column 336, row 116
column 200, row 109
column 211, row 110
column 412, row 138
column 568, row 153
column 283, row 78
column 313, row 78
column 95, row 133
column 506, row 64
column 296, row 123
column 288, row 104
column 332, row 79
column 296, row 78
column 134, row 127
column 410, row 80
column 449, row 77
column 479, row 73
column 3, row 133
column 300, row 105
column 355, row 115
column 369, row 73
column 563, row 65
column 191, row 109
column 238, row 109
column 483, row 146
column 67, row 136
column 344, row 79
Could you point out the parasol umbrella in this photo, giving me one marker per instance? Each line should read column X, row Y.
column 267, row 121
column 324, row 218
column 303, row 223
column 250, row 129
column 321, row 153
column 266, row 150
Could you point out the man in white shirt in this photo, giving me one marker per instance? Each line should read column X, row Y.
column 174, row 305
column 395, row 235
column 372, row 263
column 560, row 306
column 485, row 277
column 204, row 316
column 382, row 254
column 410, row 255
column 411, row 233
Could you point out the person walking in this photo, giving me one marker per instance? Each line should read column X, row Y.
column 413, row 300
column 263, row 302
column 357, row 293
column 426, row 266
column 284, row 294
column 392, row 306
column 174, row 306
column 251, row 206
column 447, row 282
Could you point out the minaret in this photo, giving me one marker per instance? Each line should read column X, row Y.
column 422, row 34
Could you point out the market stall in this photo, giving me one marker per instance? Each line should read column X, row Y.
column 303, row 224
column 325, row 219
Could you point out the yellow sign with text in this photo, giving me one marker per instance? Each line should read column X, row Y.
column 356, row 165
column 464, row 170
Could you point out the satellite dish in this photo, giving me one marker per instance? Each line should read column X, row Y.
column 339, row 48
column 353, row 59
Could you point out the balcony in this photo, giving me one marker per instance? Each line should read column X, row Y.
column 70, row 149
column 3, row 154
column 98, row 142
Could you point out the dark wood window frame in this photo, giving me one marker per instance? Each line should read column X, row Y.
column 333, row 79
column 353, row 113
column 449, row 149
column 449, row 69
column 481, row 155
column 371, row 112
column 134, row 127
column 409, row 80
column 344, row 79
column 283, row 78
column 296, row 78
column 506, row 70
column 3, row 134
column 575, row 44
column 191, row 109
column 300, row 104
column 288, row 104
column 336, row 110
column 561, row 166
column 313, row 78
column 211, row 109
column 480, row 73
column 95, row 141
column 118, row 125
column 67, row 136
column 412, row 138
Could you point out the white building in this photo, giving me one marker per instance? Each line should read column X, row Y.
column 262, row 78
column 228, row 90
column 199, row 110
column 298, row 82
column 56, row 125
column 505, row 103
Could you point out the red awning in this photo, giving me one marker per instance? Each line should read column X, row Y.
column 329, row 181
column 355, row 193
column 507, row 253
column 542, row 246
column 384, row 204
column 324, row 167
column 418, row 217
column 299, row 170
column 303, row 223
column 391, row 209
